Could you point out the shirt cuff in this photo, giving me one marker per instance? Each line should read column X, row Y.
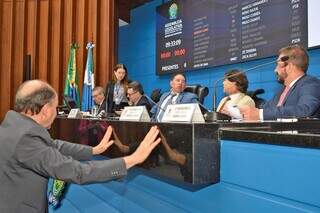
column 261, row 114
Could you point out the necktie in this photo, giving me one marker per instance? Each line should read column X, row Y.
column 224, row 103
column 164, row 106
column 283, row 95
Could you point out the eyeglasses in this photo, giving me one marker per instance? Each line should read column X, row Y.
column 129, row 94
column 95, row 95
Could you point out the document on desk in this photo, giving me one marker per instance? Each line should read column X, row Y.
column 234, row 112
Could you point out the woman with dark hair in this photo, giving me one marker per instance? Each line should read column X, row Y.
column 235, row 85
column 116, row 90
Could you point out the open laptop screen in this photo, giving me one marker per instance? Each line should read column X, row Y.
column 70, row 102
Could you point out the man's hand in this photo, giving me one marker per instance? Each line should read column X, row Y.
column 145, row 148
column 104, row 144
column 123, row 148
column 249, row 113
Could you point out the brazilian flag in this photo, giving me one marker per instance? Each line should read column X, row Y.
column 71, row 88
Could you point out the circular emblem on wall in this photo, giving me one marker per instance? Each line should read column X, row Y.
column 173, row 11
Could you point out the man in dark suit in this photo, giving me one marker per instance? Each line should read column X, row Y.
column 99, row 98
column 29, row 156
column 298, row 98
column 135, row 95
column 175, row 96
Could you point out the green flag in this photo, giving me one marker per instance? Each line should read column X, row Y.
column 71, row 85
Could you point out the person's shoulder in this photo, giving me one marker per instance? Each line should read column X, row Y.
column 110, row 83
column 165, row 94
column 144, row 98
column 190, row 94
column 308, row 79
column 248, row 99
column 313, row 78
column 245, row 96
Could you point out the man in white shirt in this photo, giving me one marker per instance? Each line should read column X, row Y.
column 99, row 98
column 235, row 85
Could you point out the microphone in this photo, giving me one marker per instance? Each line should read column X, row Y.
column 107, row 100
column 158, row 105
column 283, row 59
column 154, row 103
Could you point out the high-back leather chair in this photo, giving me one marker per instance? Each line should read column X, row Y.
column 199, row 90
column 254, row 95
column 155, row 95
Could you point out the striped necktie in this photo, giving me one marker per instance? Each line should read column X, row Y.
column 224, row 103
column 164, row 106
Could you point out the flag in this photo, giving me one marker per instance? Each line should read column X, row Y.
column 70, row 89
column 88, row 82
column 56, row 193
column 71, row 84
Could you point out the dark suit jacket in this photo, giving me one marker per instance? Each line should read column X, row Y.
column 102, row 106
column 29, row 156
column 145, row 102
column 302, row 100
column 110, row 105
column 183, row 98
column 109, row 96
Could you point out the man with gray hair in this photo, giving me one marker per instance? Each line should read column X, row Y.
column 29, row 156
column 99, row 98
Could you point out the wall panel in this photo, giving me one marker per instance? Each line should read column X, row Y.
column 18, row 45
column 45, row 29
column 7, row 35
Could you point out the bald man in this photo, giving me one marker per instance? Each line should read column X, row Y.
column 29, row 156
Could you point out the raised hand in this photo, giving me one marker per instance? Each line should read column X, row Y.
column 104, row 144
column 145, row 148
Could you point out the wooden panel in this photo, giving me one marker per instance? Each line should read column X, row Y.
column 81, row 36
column 7, row 20
column 107, row 54
column 45, row 30
column 18, row 46
column 31, row 33
column 93, row 12
column 56, row 69
column 42, row 67
column 68, row 37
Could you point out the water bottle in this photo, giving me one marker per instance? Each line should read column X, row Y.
column 94, row 110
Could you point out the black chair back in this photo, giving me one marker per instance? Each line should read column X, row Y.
column 257, row 100
column 199, row 90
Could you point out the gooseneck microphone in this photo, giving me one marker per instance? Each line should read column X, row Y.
column 107, row 101
column 154, row 103
column 283, row 59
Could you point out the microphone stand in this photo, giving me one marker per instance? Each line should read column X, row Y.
column 107, row 100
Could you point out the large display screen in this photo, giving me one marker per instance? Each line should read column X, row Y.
column 197, row 34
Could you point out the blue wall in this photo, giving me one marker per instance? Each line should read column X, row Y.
column 254, row 178
column 137, row 49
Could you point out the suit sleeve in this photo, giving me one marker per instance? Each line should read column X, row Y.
column 194, row 99
column 307, row 105
column 189, row 97
column 109, row 97
column 76, row 151
column 271, row 103
column 34, row 153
